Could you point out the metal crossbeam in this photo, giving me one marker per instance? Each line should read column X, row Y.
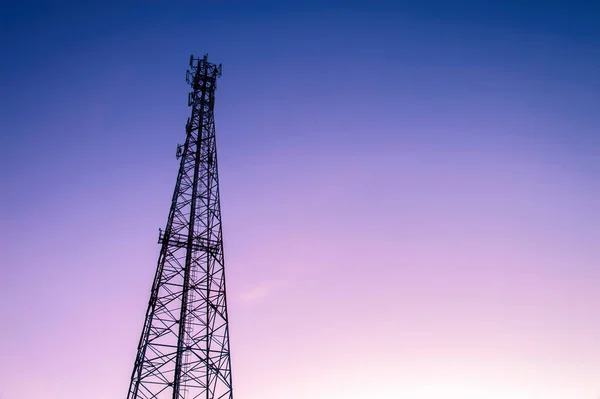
column 183, row 352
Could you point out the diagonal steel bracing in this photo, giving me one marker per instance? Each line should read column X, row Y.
column 183, row 352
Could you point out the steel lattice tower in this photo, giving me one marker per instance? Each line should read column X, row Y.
column 183, row 352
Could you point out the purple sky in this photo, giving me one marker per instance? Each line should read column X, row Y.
column 410, row 194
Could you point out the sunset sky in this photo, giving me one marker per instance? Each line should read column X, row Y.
column 410, row 193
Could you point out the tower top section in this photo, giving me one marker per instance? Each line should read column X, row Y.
column 201, row 69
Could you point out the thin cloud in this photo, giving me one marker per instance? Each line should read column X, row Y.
column 261, row 291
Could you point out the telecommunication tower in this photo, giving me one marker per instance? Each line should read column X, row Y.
column 183, row 352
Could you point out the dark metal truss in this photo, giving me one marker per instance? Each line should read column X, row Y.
column 183, row 351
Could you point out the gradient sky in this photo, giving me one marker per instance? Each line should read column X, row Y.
column 410, row 192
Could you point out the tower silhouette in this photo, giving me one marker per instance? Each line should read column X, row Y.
column 183, row 352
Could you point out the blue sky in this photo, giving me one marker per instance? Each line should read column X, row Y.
column 424, row 173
